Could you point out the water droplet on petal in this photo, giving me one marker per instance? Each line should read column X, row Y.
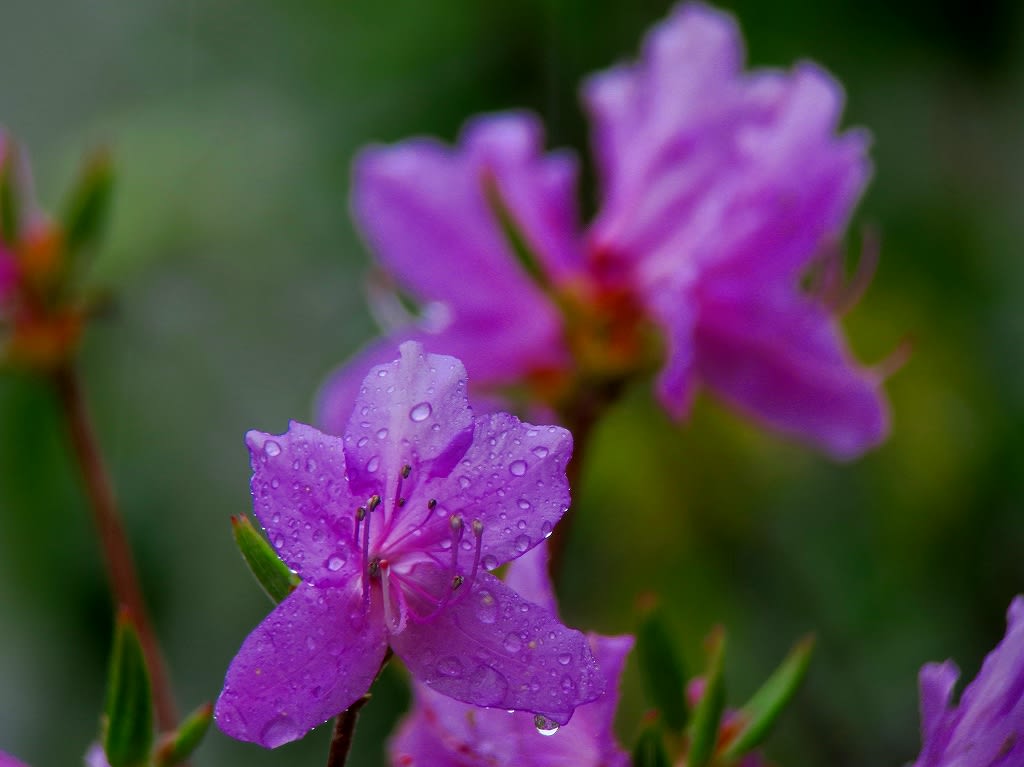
column 513, row 643
column 564, row 658
column 463, row 482
column 362, row 441
column 522, row 544
column 518, row 468
column 279, row 542
column 372, row 464
column 524, row 504
column 486, row 607
column 271, row 448
column 381, row 373
column 545, row 529
column 489, row 562
column 382, row 433
column 489, row 686
column 540, row 451
column 420, row 412
column 449, row 666
column 279, row 732
column 544, row 725
column 335, row 562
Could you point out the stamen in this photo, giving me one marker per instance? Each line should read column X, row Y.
column 478, row 533
column 406, row 471
column 400, row 502
column 366, row 560
column 373, row 503
column 360, row 513
column 432, row 504
column 393, row 622
column 457, row 581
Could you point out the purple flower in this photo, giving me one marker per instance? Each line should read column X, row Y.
column 986, row 727
column 393, row 528
column 8, row 277
column 721, row 189
column 6, row 760
column 441, row 732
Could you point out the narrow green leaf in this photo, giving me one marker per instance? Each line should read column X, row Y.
column 708, row 713
column 85, row 213
column 763, row 708
column 177, row 746
column 128, row 729
column 649, row 750
column 661, row 666
column 273, row 574
column 514, row 234
column 9, row 203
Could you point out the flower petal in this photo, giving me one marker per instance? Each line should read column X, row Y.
column 493, row 648
column 512, row 478
column 302, row 500
column 6, row 760
column 338, row 394
column 780, row 357
column 310, row 659
column 936, row 682
column 529, row 577
column 412, row 411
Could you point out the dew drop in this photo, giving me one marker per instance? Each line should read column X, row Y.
column 420, row 412
column 540, row 451
column 489, row 686
column 279, row 542
column 463, row 482
column 518, row 468
column 522, row 544
column 335, row 562
column 362, row 441
column 489, row 562
column 545, row 529
column 564, row 658
column 544, row 725
column 449, row 666
column 381, row 373
column 524, row 504
column 274, row 483
column 372, row 464
column 486, row 607
column 272, row 448
column 521, row 524
column 513, row 643
column 279, row 732
column 382, row 433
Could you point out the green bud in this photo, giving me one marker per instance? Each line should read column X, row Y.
column 764, row 707
column 177, row 746
column 128, row 718
column 708, row 714
column 88, row 206
column 273, row 574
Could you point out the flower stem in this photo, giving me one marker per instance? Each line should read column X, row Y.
column 117, row 555
column 344, row 729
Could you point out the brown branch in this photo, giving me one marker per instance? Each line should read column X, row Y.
column 117, row 555
column 344, row 730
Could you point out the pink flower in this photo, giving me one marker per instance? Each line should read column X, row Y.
column 721, row 189
column 393, row 528
column 441, row 732
column 986, row 727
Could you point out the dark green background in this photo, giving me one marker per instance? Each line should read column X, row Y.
column 239, row 286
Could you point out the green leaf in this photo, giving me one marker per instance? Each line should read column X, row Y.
column 649, row 750
column 177, row 746
column 87, row 208
column 273, row 574
column 662, row 669
column 128, row 729
column 9, row 203
column 514, row 234
column 764, row 707
column 708, row 713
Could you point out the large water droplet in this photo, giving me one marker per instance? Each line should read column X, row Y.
column 271, row 448
column 544, row 725
column 486, row 607
column 518, row 468
column 335, row 562
column 513, row 643
column 420, row 412
column 564, row 658
column 524, row 504
column 522, row 544
column 279, row 732
column 540, row 451
column 489, row 686
column 373, row 463
column 489, row 562
column 449, row 666
column 382, row 433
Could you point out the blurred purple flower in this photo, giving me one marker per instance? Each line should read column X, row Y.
column 6, row 760
column 441, row 732
column 8, row 277
column 392, row 528
column 721, row 190
column 986, row 727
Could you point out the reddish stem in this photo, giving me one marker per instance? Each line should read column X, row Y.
column 117, row 555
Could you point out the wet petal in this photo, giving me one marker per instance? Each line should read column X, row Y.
column 936, row 682
column 338, row 395
column 512, row 478
column 413, row 411
column 493, row 648
column 301, row 497
column 782, row 359
column 311, row 658
column 418, row 741
column 529, row 577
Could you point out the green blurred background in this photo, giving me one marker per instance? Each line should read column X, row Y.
column 239, row 283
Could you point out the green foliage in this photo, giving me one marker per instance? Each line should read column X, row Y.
column 708, row 713
column 128, row 716
column 649, row 750
column 179, row 745
column 271, row 573
column 663, row 673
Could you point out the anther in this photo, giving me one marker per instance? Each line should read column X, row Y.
column 375, row 566
column 406, row 471
column 360, row 513
column 456, row 522
column 457, row 581
column 400, row 502
column 432, row 504
column 478, row 528
column 373, row 503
